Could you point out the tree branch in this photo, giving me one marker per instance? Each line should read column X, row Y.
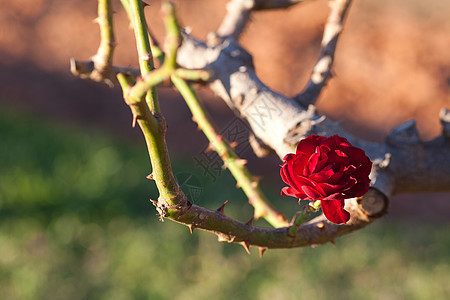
column 84, row 69
column 322, row 70
column 238, row 14
column 403, row 163
column 318, row 231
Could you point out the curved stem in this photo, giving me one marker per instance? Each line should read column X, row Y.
column 147, row 115
column 236, row 165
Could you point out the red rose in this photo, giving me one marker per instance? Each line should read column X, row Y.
column 328, row 169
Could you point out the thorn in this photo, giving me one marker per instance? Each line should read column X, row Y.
column 109, row 83
column 333, row 243
column 241, row 162
column 194, row 119
column 238, row 185
column 144, row 57
column 219, row 138
column 333, row 74
column 154, row 202
column 221, row 209
column 96, row 20
column 250, row 222
column 135, row 117
column 254, row 184
column 167, row 82
column 261, row 251
column 221, row 238
column 257, row 179
column 225, row 163
column 150, row 176
column 292, row 222
column 73, row 66
column 191, row 228
column 209, row 148
column 144, row 4
column 246, row 246
column 233, row 144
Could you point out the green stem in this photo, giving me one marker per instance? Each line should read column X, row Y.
column 193, row 75
column 156, row 51
column 153, row 127
column 144, row 51
column 173, row 37
column 107, row 42
column 236, row 165
column 300, row 217
column 147, row 113
column 100, row 67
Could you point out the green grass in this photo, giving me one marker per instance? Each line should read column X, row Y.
column 76, row 223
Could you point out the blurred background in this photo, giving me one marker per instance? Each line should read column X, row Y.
column 75, row 216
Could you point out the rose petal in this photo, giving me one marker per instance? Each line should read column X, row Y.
column 323, row 158
column 311, row 165
column 336, row 141
column 334, row 211
column 288, row 157
column 355, row 154
column 289, row 191
column 290, row 170
column 330, row 189
column 328, row 169
column 340, row 153
column 339, row 162
column 312, row 193
column 324, row 175
column 308, row 145
column 358, row 190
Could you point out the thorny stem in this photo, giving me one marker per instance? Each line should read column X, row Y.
column 236, row 166
column 100, row 67
column 173, row 204
column 107, row 44
column 147, row 114
column 144, row 50
column 232, row 161
column 173, row 39
column 153, row 127
column 156, row 51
